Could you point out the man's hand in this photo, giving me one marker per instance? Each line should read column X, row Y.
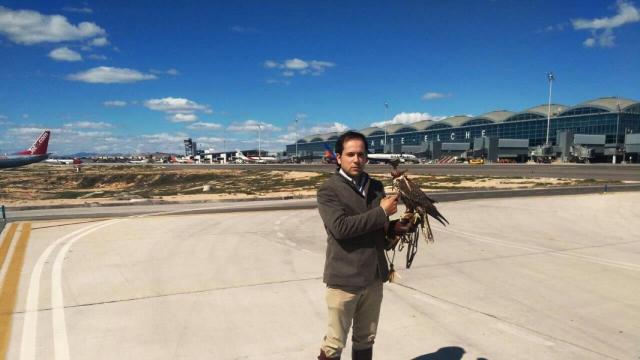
column 404, row 224
column 390, row 204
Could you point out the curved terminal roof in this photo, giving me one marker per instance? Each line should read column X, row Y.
column 456, row 120
column 372, row 130
column 331, row 136
column 423, row 124
column 497, row 116
column 544, row 108
column 608, row 104
column 399, row 128
column 311, row 138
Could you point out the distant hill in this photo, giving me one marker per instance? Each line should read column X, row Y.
column 80, row 155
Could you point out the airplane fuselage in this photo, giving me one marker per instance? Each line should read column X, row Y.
column 10, row 161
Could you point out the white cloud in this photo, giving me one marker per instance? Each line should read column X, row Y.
column 114, row 103
column 176, row 105
column 28, row 27
column 110, row 75
column 65, row 54
column 92, row 134
column 252, row 125
column 335, row 127
column 165, row 137
column 26, row 131
column 171, row 71
column 295, row 66
column 97, row 57
column 205, row 139
column 84, row 10
column 181, row 117
column 603, row 39
column 270, row 64
column 178, row 109
column 70, row 140
column 204, row 126
column 101, row 41
column 434, row 96
column 88, row 125
column 556, row 27
column 320, row 66
column 408, row 118
column 602, row 28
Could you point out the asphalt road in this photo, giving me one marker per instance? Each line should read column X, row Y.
column 520, row 278
column 573, row 171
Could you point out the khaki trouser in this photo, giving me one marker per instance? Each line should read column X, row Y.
column 362, row 307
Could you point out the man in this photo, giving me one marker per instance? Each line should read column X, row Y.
column 355, row 212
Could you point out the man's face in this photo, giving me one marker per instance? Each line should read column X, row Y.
column 353, row 157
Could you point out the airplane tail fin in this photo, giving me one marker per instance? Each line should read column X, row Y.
column 329, row 151
column 40, row 146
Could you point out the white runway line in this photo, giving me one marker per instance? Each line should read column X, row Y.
column 30, row 327
column 60, row 339
column 533, row 248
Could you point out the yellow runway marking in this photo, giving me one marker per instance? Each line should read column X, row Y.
column 10, row 284
column 4, row 247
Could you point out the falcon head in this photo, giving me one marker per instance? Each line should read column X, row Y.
column 398, row 178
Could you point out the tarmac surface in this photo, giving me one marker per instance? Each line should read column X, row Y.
column 630, row 172
column 519, row 278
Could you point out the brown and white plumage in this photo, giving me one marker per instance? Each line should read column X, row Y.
column 416, row 201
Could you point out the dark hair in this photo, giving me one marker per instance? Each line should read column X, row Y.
column 350, row 135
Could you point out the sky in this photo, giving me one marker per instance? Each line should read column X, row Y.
column 141, row 76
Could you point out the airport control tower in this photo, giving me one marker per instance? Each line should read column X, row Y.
column 190, row 147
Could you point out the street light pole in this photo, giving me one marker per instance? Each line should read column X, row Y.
column 617, row 129
column 386, row 107
column 259, row 151
column 296, row 137
column 550, row 77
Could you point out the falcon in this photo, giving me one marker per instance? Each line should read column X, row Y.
column 418, row 204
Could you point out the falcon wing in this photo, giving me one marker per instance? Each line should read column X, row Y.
column 417, row 198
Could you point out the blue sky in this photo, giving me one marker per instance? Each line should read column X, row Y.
column 140, row 76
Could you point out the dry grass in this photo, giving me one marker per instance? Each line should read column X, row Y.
column 45, row 184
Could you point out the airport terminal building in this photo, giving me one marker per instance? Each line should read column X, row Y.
column 598, row 129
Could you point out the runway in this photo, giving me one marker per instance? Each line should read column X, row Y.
column 627, row 172
column 508, row 279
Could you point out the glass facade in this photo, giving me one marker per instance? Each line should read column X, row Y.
column 580, row 120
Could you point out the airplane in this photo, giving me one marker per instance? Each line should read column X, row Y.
column 143, row 161
column 385, row 158
column 329, row 156
column 36, row 153
column 64, row 161
column 242, row 159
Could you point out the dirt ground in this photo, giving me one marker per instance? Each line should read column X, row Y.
column 44, row 184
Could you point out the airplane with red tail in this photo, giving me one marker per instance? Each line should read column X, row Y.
column 36, row 153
